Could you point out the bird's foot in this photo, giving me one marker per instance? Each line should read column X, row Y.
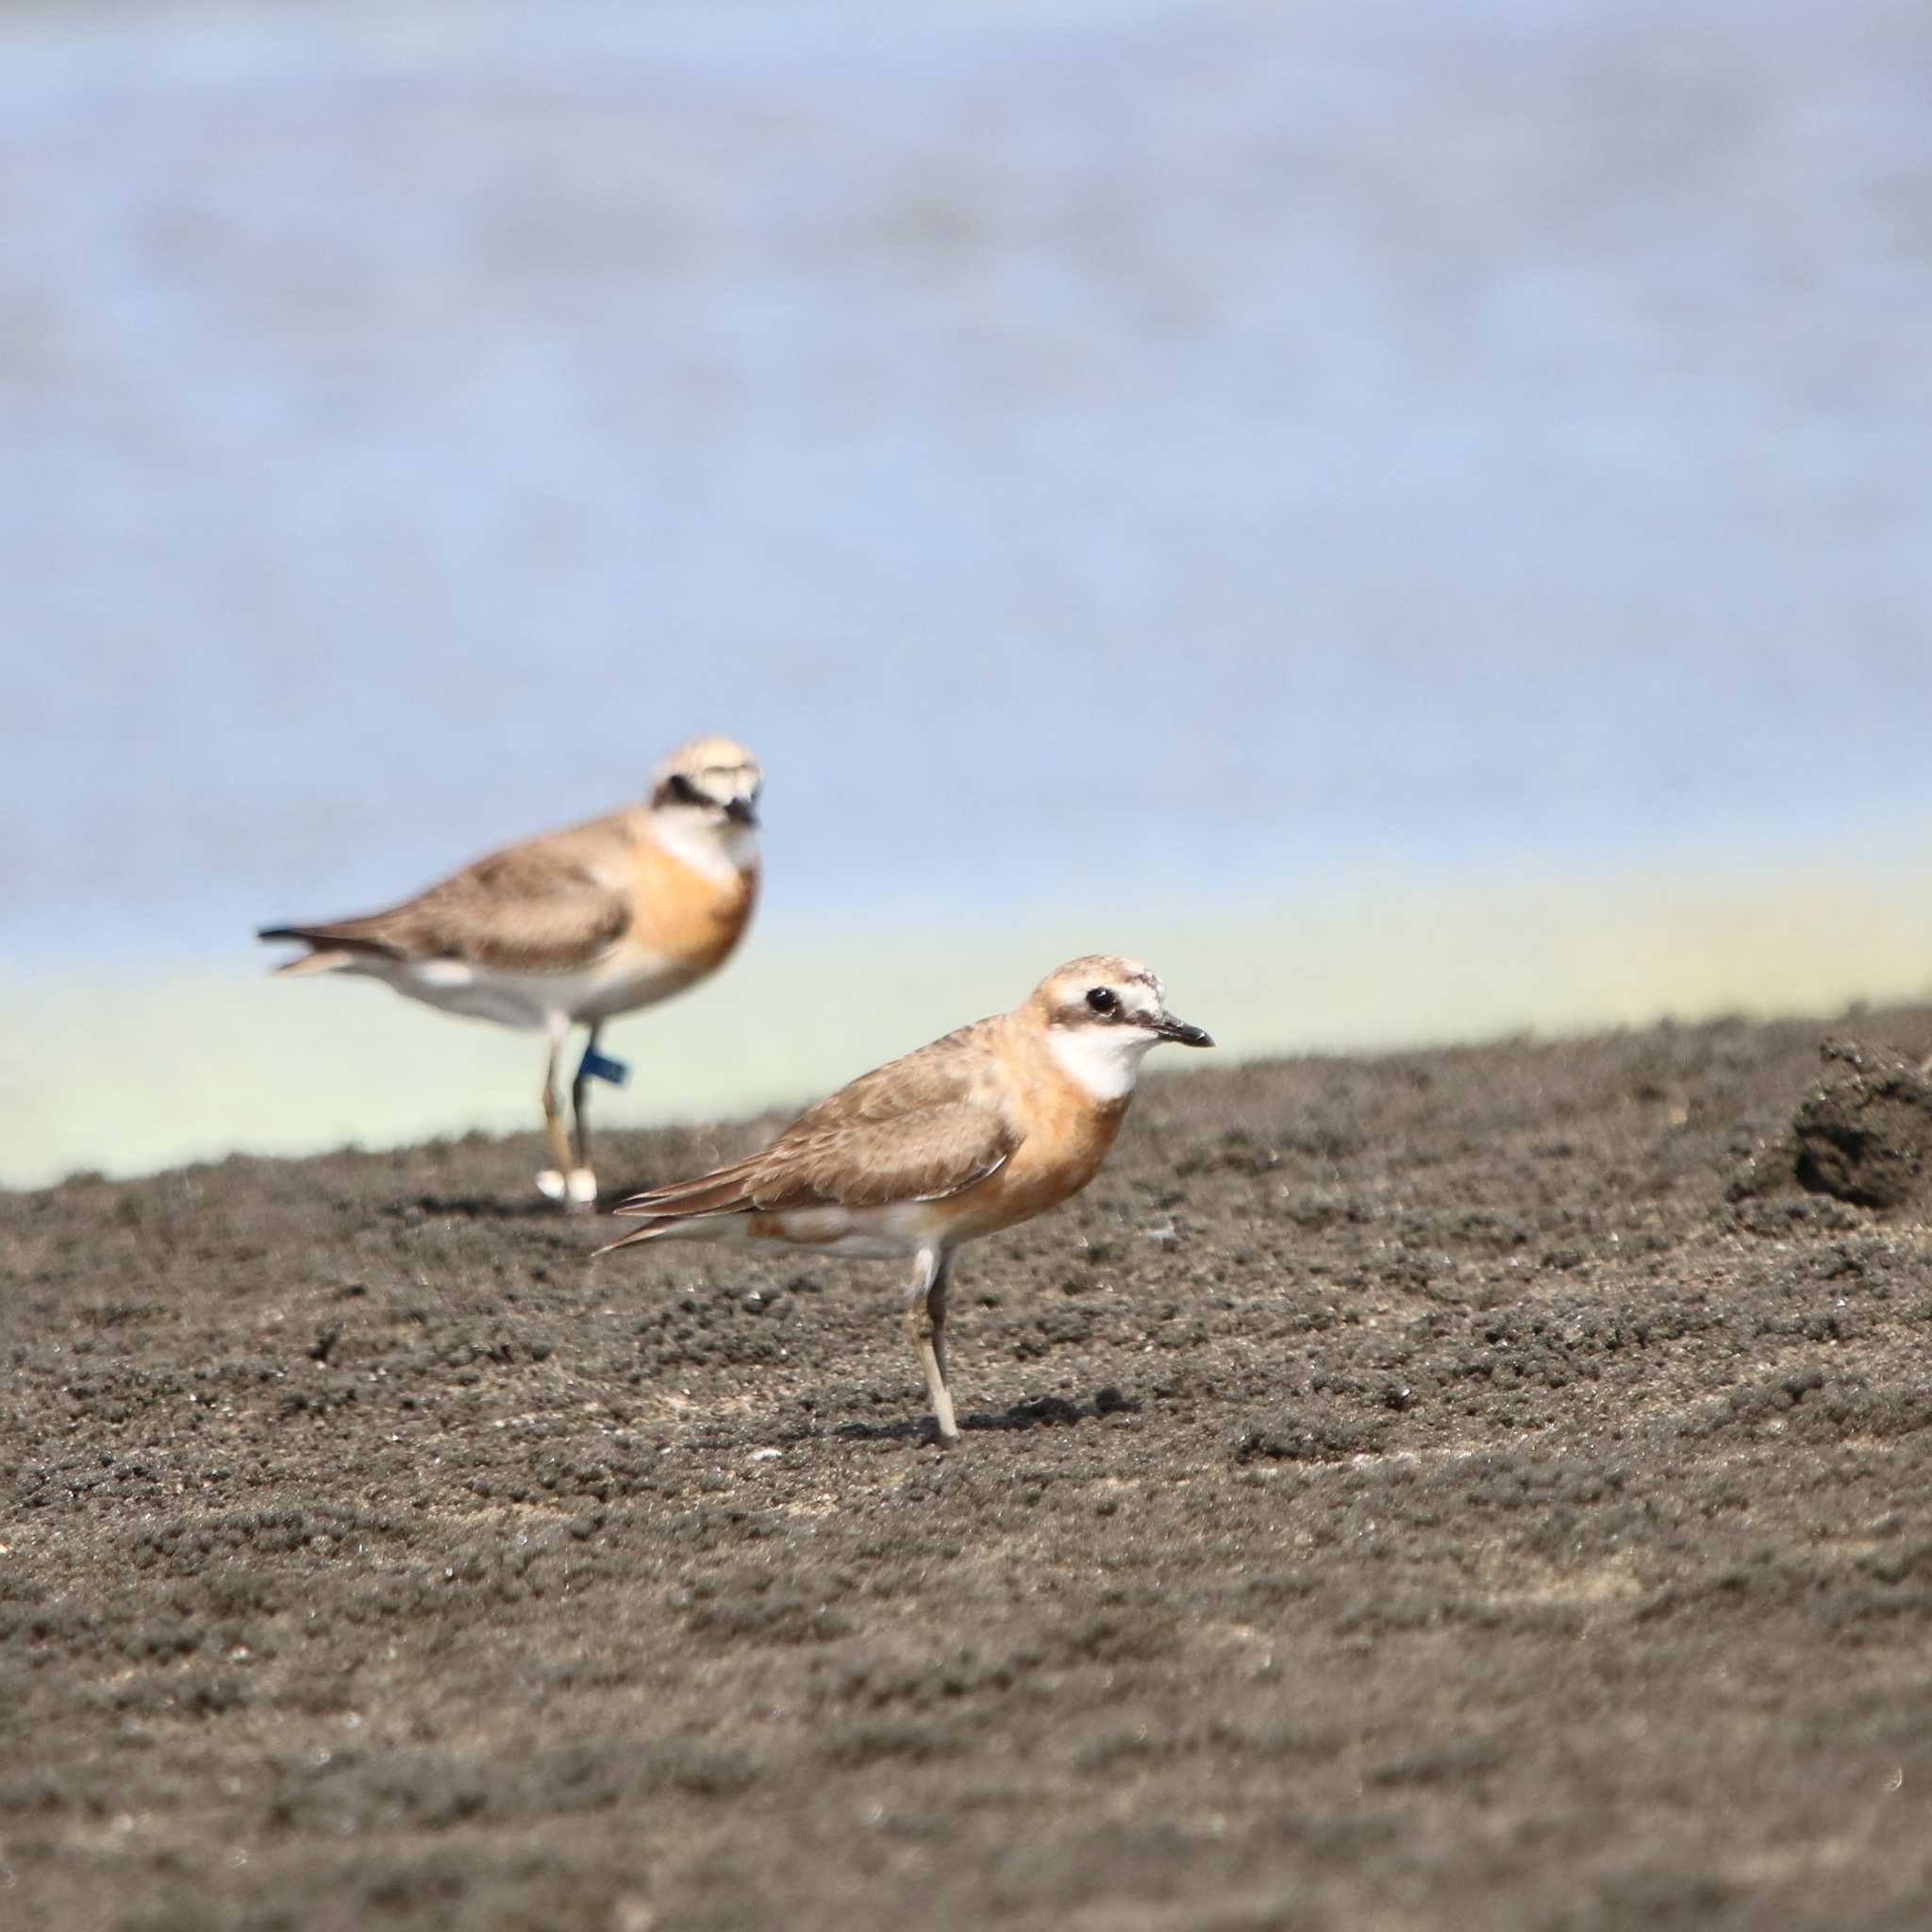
column 578, row 1189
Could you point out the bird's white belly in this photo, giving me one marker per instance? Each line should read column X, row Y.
column 533, row 1000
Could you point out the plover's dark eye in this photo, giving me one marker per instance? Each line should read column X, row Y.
column 1102, row 999
column 681, row 788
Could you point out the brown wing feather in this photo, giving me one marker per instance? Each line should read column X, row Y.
column 917, row 1128
column 540, row 906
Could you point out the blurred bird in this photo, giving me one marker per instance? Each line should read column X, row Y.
column 989, row 1127
column 574, row 926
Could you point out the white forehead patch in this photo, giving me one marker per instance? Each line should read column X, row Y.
column 1103, row 1060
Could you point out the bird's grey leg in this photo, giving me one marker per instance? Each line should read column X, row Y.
column 552, row 1181
column 936, row 1309
column 926, row 1322
column 583, row 1183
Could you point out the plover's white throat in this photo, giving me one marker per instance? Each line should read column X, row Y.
column 989, row 1127
column 573, row 928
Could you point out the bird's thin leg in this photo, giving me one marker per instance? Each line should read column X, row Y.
column 552, row 1180
column 926, row 1322
column 583, row 1183
column 936, row 1307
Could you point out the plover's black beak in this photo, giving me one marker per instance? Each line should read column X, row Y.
column 1171, row 1029
column 741, row 811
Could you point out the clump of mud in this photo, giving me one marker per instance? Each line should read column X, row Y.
column 1863, row 1131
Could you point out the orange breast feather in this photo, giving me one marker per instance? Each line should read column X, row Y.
column 683, row 916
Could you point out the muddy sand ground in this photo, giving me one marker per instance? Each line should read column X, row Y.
column 1477, row 1489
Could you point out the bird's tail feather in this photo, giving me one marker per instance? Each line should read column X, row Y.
column 322, row 960
column 333, row 945
column 705, row 1208
column 726, row 1190
column 703, row 1228
column 641, row 1234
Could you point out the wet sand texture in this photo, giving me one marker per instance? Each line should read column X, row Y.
column 1484, row 1488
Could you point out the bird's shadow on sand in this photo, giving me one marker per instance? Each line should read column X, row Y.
column 1041, row 1412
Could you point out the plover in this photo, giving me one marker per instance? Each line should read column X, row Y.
column 989, row 1127
column 574, row 926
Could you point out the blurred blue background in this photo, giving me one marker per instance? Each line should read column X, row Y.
column 1413, row 516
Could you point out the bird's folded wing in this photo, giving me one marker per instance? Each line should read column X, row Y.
column 921, row 1156
column 916, row 1129
column 523, row 910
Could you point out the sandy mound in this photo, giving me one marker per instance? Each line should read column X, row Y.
column 1864, row 1132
